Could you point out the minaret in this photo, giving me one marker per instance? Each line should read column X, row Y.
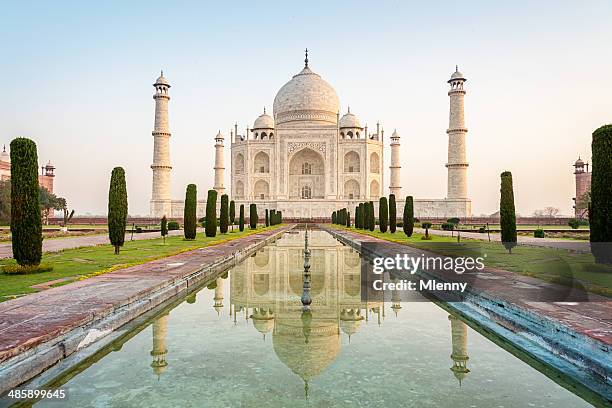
column 457, row 162
column 583, row 185
column 159, row 352
column 459, row 342
column 219, row 166
column 160, row 199
column 394, row 169
column 218, row 299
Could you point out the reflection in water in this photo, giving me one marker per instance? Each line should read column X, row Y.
column 459, row 355
column 159, row 352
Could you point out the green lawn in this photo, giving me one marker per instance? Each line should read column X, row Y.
column 552, row 265
column 81, row 263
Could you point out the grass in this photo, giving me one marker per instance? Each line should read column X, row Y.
column 549, row 264
column 82, row 263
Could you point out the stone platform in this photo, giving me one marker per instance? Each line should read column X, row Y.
column 38, row 330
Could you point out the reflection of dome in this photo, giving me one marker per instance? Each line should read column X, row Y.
column 264, row 121
column 306, row 359
column 263, row 320
column 349, row 121
column 306, row 97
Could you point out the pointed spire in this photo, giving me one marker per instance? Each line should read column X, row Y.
column 264, row 110
column 161, row 73
column 306, row 59
column 4, row 149
column 349, row 109
column 456, row 68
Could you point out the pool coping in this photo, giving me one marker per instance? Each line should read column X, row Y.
column 547, row 338
column 160, row 281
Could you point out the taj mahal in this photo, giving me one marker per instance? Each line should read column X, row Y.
column 307, row 160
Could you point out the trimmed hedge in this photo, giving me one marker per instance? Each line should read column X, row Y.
column 408, row 217
column 189, row 212
column 539, row 233
column 507, row 213
column 600, row 208
column 117, row 208
column 211, row 214
column 241, row 218
column 173, row 226
column 383, row 214
column 253, row 216
column 224, row 214
column 392, row 214
column 232, row 213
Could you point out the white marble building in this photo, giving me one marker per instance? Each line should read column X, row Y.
column 307, row 161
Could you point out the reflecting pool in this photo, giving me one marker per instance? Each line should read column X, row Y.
column 244, row 341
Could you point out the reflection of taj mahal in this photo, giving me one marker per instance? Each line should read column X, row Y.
column 306, row 160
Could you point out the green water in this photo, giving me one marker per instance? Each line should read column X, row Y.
column 243, row 341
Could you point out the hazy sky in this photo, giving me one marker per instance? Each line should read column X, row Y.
column 76, row 78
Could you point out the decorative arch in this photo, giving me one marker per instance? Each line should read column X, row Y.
column 261, row 190
column 351, row 162
column 239, row 164
column 374, row 189
column 306, row 174
column 374, row 163
column 351, row 189
column 239, row 193
column 261, row 163
column 349, row 134
column 304, row 159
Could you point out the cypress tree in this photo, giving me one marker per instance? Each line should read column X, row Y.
column 272, row 217
column 164, row 228
column 26, row 222
column 383, row 214
column 507, row 214
column 280, row 217
column 211, row 214
column 392, row 214
column 356, row 221
column 232, row 213
column 334, row 218
column 241, row 218
column 366, row 216
column 600, row 209
column 372, row 222
column 189, row 212
column 117, row 208
column 253, row 216
column 408, row 217
column 348, row 219
column 361, row 216
column 224, row 214
column 267, row 218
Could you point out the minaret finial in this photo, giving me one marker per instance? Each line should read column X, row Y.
column 264, row 110
column 456, row 68
column 162, row 72
column 349, row 109
column 306, row 59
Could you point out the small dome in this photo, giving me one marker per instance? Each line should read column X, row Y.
column 4, row 156
column 395, row 134
column 219, row 135
column 579, row 162
column 162, row 80
column 264, row 121
column 457, row 75
column 49, row 165
column 349, row 121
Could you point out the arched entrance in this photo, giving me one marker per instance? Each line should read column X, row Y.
column 306, row 175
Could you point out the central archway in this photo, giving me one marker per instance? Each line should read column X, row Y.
column 306, row 175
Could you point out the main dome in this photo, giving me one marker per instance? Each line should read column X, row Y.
column 306, row 97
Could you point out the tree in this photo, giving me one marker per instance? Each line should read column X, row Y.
column 232, row 213
column 224, row 215
column 372, row 221
column 356, row 220
column 366, row 215
column 551, row 212
column 408, row 217
column 273, row 217
column 383, row 214
column 117, row 208
column 600, row 210
column 253, row 216
column 427, row 226
column 5, row 201
column 241, row 218
column 66, row 214
column 392, row 214
column 267, row 218
column 348, row 219
column 507, row 213
column 48, row 201
column 582, row 204
column 361, row 216
column 189, row 212
column 334, row 218
column 211, row 214
column 164, row 228
column 280, row 217
column 26, row 223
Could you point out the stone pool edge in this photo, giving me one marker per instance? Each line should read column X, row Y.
column 23, row 367
column 570, row 351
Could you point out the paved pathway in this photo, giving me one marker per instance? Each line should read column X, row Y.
column 37, row 318
column 577, row 246
column 59, row 244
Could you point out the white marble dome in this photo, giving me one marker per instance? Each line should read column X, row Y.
column 264, row 121
column 457, row 75
column 162, row 80
column 349, row 120
column 306, row 97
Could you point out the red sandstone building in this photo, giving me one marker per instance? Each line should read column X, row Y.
column 583, row 186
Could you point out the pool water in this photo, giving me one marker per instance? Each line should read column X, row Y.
column 243, row 341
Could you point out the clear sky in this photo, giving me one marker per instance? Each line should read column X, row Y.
column 77, row 79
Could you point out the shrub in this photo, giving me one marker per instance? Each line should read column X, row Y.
column 173, row 226
column 507, row 214
column 600, row 209
column 26, row 222
column 482, row 230
column 538, row 233
column 241, row 218
column 232, row 213
column 408, row 217
column 253, row 216
column 574, row 223
column 383, row 214
column 224, row 214
column 447, row 226
column 189, row 212
column 117, row 208
column 453, row 220
column 164, row 228
column 211, row 214
column 427, row 226
column 26, row 269
column 392, row 214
